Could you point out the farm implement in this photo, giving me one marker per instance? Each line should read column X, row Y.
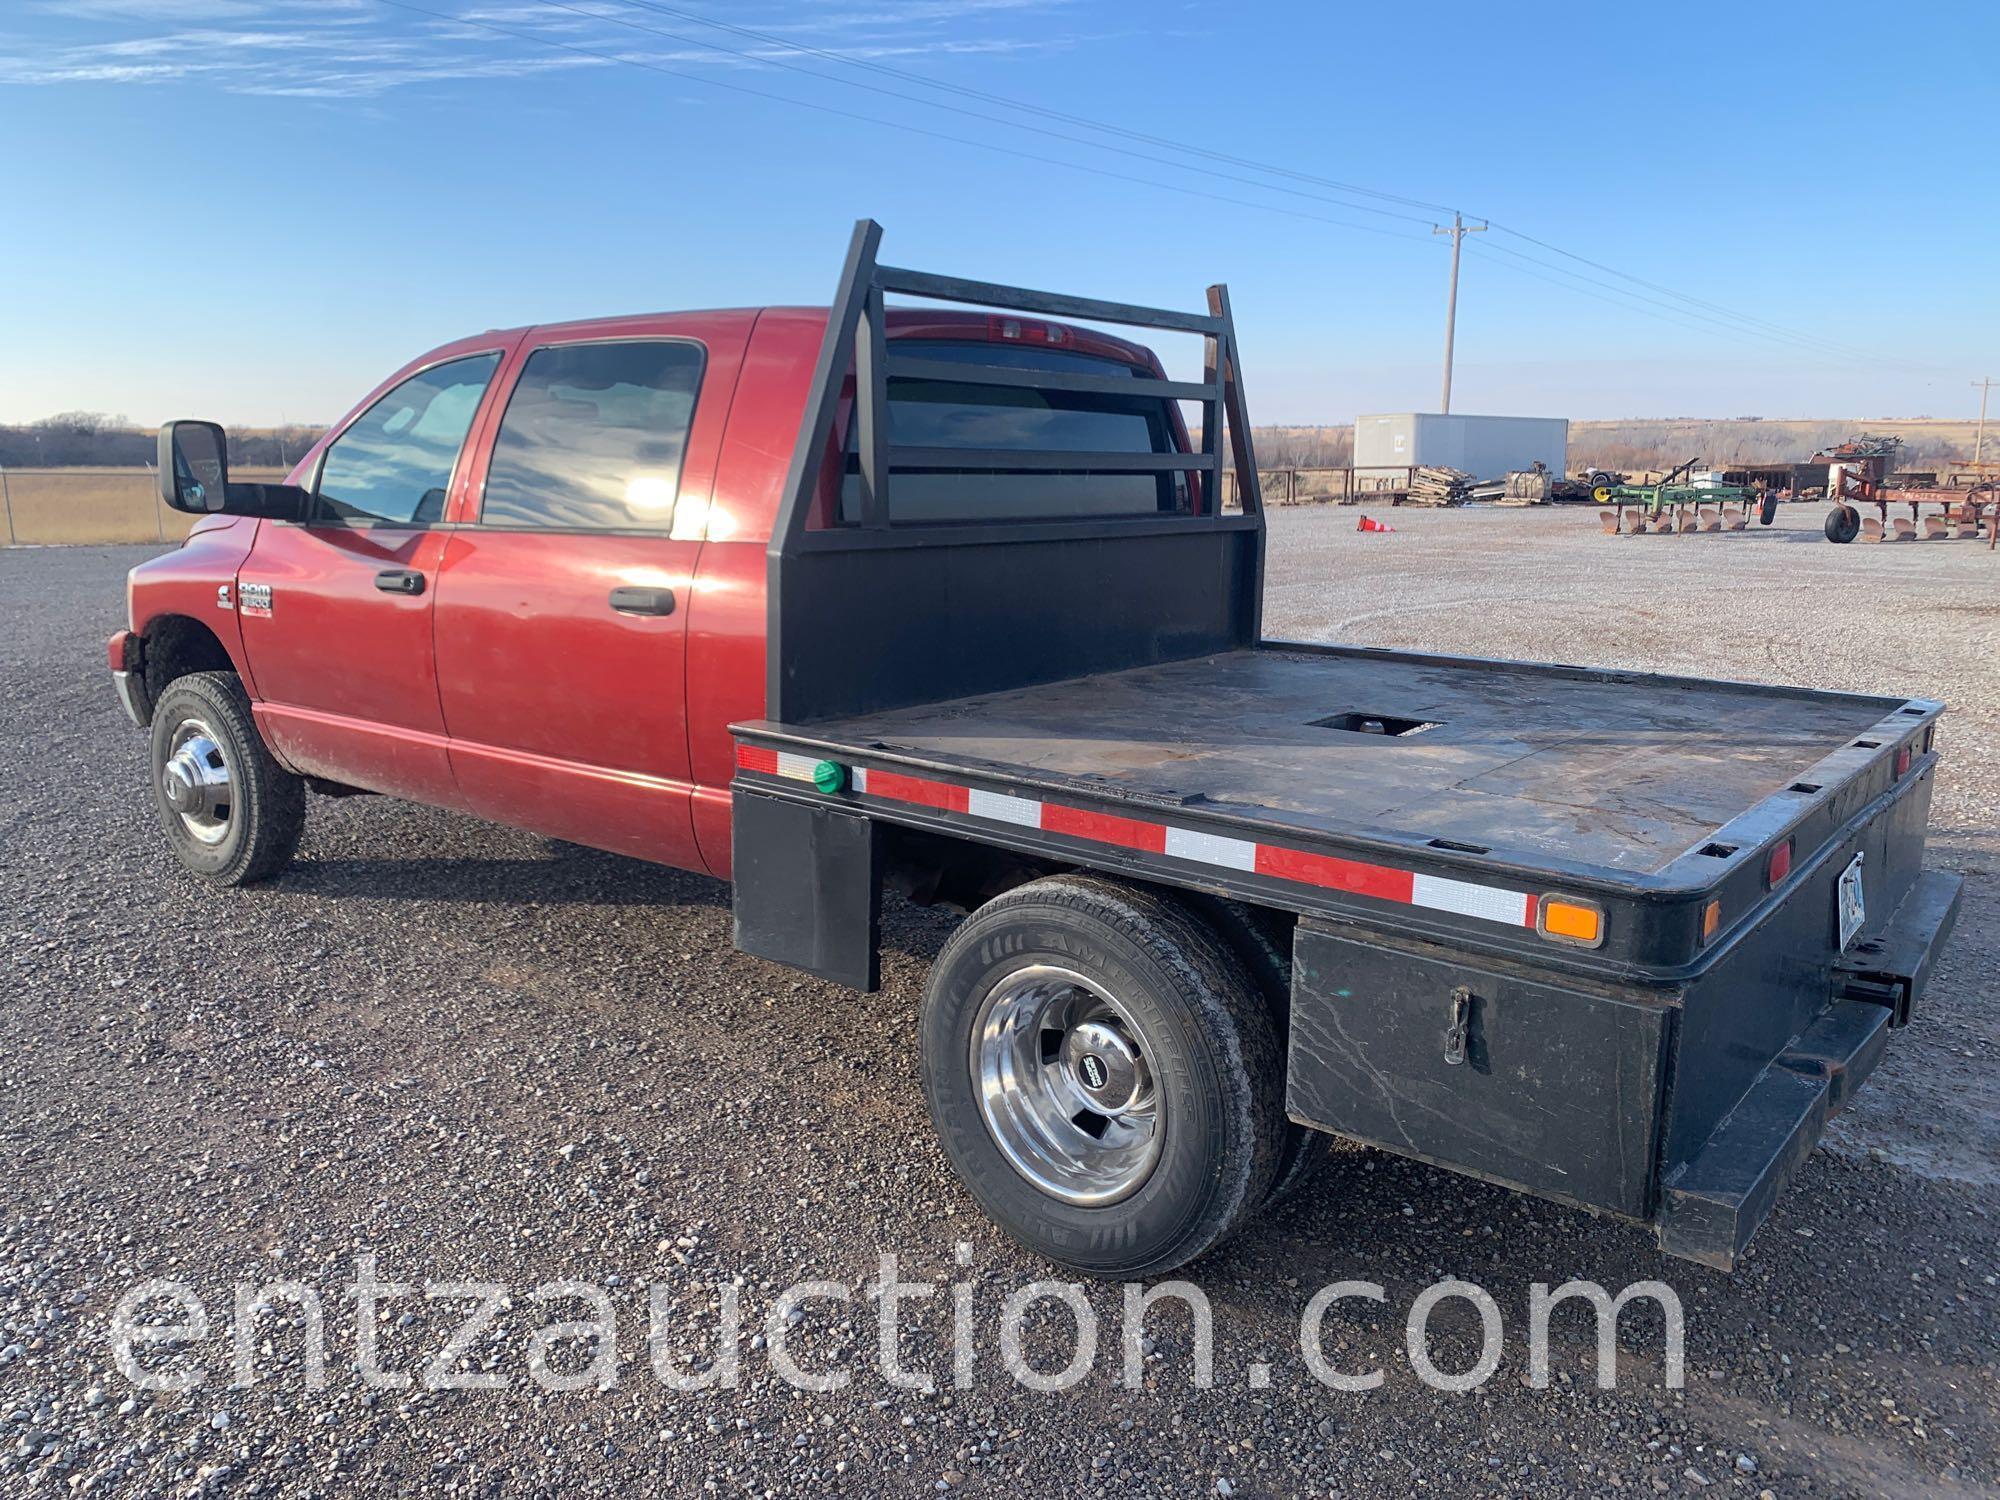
column 1670, row 507
column 1962, row 509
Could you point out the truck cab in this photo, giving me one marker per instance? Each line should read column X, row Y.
column 525, row 578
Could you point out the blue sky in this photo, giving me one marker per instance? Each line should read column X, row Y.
column 253, row 209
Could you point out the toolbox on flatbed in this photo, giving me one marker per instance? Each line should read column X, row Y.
column 1619, row 939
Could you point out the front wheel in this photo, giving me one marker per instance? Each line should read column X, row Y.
column 1105, row 1077
column 231, row 812
column 1767, row 510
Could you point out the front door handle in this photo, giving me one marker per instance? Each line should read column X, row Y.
column 630, row 601
column 400, row 581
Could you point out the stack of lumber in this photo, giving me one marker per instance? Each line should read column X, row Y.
column 1439, row 486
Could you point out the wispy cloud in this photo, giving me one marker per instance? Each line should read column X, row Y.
column 190, row 12
column 893, row 13
column 356, row 49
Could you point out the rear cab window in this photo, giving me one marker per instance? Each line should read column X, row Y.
column 593, row 437
column 941, row 413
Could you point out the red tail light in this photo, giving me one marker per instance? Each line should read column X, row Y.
column 1903, row 761
column 1780, row 866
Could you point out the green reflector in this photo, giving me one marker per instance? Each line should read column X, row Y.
column 830, row 776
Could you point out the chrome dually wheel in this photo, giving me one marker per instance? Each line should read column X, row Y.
column 196, row 783
column 1104, row 1075
column 231, row 813
column 1065, row 1087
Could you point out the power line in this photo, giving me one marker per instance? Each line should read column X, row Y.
column 1660, row 311
column 849, row 114
column 1640, row 298
column 971, row 114
column 1620, row 296
column 1086, row 122
column 1776, row 331
column 1618, row 300
column 1744, row 317
column 1715, row 316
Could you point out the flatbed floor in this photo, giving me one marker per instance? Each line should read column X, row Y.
column 1622, row 771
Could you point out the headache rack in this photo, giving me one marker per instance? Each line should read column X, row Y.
column 861, row 619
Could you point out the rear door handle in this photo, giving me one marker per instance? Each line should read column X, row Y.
column 630, row 601
column 400, row 581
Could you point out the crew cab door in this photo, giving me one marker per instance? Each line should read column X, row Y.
column 336, row 611
column 563, row 598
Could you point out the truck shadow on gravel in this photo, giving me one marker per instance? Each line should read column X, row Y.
column 565, row 874
column 552, row 873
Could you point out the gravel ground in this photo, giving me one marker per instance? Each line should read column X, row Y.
column 477, row 1055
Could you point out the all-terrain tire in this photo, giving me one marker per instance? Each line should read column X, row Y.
column 1206, row 1033
column 257, row 831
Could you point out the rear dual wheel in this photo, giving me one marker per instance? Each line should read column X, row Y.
column 1105, row 1075
column 1263, row 944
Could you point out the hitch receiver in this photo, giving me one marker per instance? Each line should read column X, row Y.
column 1891, row 968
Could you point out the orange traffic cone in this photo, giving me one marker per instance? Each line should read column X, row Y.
column 1369, row 523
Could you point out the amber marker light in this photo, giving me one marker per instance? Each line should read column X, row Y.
column 1564, row 919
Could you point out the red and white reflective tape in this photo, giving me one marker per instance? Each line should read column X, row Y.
column 776, row 763
column 1488, row 903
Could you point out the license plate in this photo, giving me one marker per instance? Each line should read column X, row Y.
column 1850, row 905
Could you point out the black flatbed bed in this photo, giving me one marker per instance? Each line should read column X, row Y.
column 1620, row 939
column 1622, row 772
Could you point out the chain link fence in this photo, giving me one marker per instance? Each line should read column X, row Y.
column 1328, row 486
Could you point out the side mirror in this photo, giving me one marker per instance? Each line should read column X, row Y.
column 194, row 467
column 194, row 477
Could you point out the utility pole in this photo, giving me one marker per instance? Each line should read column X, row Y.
column 1979, row 442
column 1458, row 232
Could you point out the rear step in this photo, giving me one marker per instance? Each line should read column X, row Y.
column 1712, row 1205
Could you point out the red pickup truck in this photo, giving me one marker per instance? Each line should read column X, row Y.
column 831, row 600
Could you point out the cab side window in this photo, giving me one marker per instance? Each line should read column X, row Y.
column 394, row 463
column 593, row 437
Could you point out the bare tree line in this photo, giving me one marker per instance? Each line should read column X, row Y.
column 90, row 439
column 1328, row 447
column 1662, row 444
column 1650, row 444
column 99, row 440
